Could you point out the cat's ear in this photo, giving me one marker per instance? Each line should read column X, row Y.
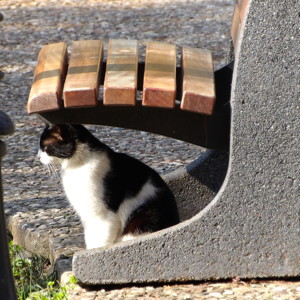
column 62, row 131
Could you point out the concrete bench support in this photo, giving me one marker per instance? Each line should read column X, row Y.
column 251, row 228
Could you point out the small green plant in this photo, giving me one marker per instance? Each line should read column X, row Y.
column 73, row 280
column 30, row 279
column 52, row 291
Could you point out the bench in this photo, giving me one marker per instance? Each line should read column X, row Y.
column 187, row 91
column 191, row 93
column 247, row 221
column 174, row 92
column 250, row 228
column 68, row 93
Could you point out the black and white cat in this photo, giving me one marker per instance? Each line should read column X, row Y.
column 116, row 196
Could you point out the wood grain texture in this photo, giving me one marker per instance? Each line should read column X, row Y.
column 46, row 90
column 159, row 87
column 198, row 89
column 120, row 82
column 82, row 81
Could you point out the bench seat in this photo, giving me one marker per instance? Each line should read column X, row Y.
column 58, row 83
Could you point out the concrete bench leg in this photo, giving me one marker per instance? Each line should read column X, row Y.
column 252, row 226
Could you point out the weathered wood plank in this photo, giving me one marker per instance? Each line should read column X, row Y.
column 198, row 89
column 82, row 81
column 46, row 90
column 159, row 87
column 120, row 82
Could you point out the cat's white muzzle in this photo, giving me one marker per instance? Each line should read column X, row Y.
column 46, row 159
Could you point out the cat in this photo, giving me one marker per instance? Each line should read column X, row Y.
column 116, row 196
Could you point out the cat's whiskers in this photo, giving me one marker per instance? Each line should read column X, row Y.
column 53, row 172
column 47, row 167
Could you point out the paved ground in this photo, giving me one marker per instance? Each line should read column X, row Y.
column 38, row 215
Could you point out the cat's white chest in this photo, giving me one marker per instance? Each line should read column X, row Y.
column 83, row 185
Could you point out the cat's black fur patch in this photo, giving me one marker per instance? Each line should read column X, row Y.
column 156, row 214
column 58, row 141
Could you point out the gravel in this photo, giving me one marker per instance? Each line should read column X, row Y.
column 38, row 215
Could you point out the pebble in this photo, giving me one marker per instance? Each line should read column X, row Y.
column 214, row 294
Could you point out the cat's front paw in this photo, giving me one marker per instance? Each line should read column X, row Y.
column 95, row 245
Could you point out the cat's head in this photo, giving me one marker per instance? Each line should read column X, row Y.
column 58, row 142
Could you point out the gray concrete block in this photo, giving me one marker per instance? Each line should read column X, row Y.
column 251, row 227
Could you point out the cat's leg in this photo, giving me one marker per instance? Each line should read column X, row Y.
column 100, row 231
column 129, row 237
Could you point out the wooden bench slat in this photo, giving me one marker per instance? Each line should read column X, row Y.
column 120, row 83
column 243, row 7
column 235, row 26
column 240, row 2
column 198, row 90
column 159, row 87
column 46, row 90
column 82, row 81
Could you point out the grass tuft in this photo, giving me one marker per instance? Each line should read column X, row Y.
column 31, row 278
